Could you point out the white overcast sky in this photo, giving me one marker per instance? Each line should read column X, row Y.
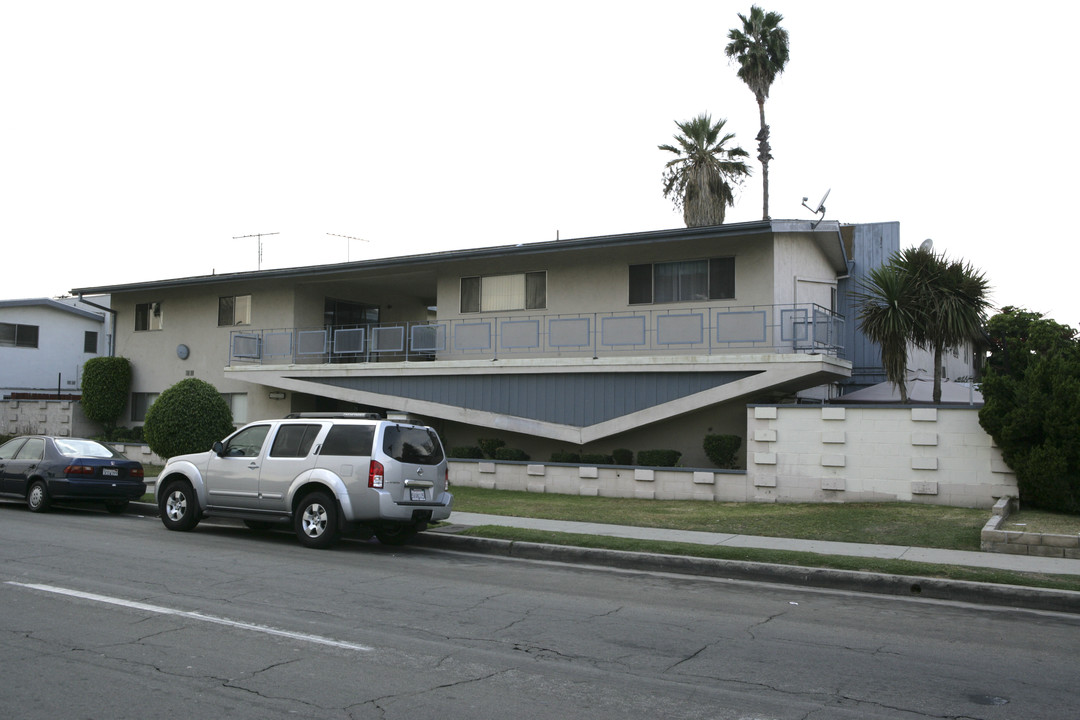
column 138, row 138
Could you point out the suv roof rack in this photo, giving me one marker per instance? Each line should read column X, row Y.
column 334, row 415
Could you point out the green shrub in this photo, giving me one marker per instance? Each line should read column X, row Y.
column 565, row 457
column 466, row 453
column 622, row 456
column 596, row 459
column 105, row 384
column 722, row 449
column 490, row 446
column 505, row 453
column 658, row 458
column 187, row 418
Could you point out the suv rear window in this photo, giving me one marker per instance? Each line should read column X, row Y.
column 349, row 440
column 412, row 445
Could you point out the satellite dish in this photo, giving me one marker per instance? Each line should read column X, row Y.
column 820, row 209
column 927, row 245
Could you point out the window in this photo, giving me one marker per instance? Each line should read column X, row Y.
column 294, row 440
column 248, row 442
column 140, row 403
column 349, row 440
column 412, row 445
column 234, row 310
column 683, row 281
column 15, row 335
column 238, row 405
column 89, row 342
column 495, row 293
column 147, row 316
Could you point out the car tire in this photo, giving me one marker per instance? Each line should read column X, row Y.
column 396, row 535
column 37, row 497
column 316, row 521
column 116, row 506
column 178, row 506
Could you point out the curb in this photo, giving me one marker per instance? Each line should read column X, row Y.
column 1013, row 596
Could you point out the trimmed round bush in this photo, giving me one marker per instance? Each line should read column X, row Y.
column 622, row 456
column 565, row 457
column 506, row 453
column 187, row 418
column 658, row 458
column 466, row 453
column 722, row 449
column 105, row 384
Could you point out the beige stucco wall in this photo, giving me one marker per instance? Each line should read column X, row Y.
column 938, row 455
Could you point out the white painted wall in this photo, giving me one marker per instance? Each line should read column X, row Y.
column 59, row 353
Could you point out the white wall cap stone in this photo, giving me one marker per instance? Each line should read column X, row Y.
column 765, row 413
column 833, row 461
column 764, row 482
column 924, row 414
column 644, row 475
column 538, row 488
column 924, row 438
column 704, row 478
column 485, row 467
column 833, row 484
column 535, row 470
column 833, row 413
column 765, row 435
column 764, row 458
column 924, row 463
column 590, row 491
column 588, row 472
column 924, row 488
column 833, row 437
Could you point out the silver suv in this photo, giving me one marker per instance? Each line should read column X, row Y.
column 320, row 473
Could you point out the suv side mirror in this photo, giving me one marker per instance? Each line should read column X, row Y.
column 218, row 448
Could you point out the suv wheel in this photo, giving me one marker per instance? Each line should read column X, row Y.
column 316, row 521
column 396, row 534
column 177, row 505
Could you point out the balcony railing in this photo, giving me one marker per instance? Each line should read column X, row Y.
column 803, row 328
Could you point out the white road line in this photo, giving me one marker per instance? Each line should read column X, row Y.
column 192, row 616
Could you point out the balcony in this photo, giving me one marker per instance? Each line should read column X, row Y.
column 716, row 330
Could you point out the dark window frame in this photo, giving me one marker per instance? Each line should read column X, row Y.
column 719, row 272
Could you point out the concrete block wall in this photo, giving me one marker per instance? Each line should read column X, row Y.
column 63, row 418
column 813, row 453
column 1018, row 542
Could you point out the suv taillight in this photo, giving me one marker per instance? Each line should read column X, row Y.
column 375, row 475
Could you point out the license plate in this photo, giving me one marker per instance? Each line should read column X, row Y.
column 417, row 495
column 110, row 472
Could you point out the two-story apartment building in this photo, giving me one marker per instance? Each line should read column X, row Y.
column 644, row 341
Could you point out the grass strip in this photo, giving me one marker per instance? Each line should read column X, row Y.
column 782, row 557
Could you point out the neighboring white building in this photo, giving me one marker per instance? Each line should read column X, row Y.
column 44, row 343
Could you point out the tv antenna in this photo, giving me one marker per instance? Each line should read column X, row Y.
column 347, row 245
column 256, row 235
column 819, row 210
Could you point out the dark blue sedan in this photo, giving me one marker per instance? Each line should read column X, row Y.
column 42, row 469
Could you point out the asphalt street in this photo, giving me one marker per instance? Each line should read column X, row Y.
column 113, row 616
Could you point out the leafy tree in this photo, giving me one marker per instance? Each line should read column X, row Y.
column 106, row 382
column 187, row 418
column 699, row 179
column 1031, row 391
column 761, row 50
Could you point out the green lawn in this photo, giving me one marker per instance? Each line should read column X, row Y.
column 879, row 523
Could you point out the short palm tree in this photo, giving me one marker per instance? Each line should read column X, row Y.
column 887, row 318
column 952, row 300
column 761, row 49
column 701, row 176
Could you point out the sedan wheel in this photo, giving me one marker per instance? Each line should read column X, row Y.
column 316, row 522
column 38, row 497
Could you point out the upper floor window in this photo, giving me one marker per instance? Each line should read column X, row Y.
column 16, row 335
column 148, row 316
column 495, row 293
column 90, row 341
column 683, row 281
column 234, row 310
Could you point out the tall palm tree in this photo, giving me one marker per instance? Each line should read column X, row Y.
column 700, row 177
column 761, row 49
column 951, row 299
column 887, row 317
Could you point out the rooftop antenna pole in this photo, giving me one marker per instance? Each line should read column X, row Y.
column 347, row 239
column 256, row 235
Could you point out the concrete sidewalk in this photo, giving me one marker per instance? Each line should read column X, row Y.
column 997, row 561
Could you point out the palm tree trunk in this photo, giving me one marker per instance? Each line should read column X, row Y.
column 764, row 157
